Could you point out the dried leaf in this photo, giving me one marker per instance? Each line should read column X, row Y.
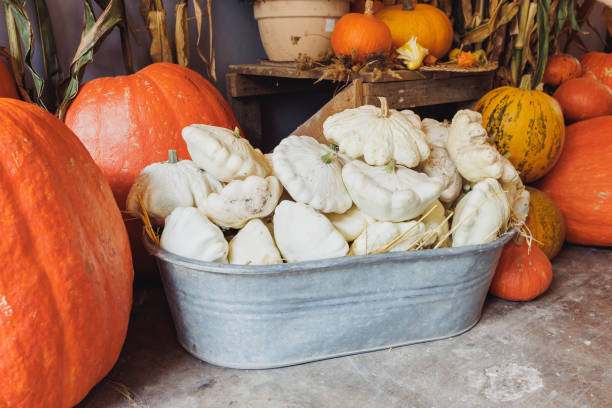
column 543, row 23
column 160, row 50
column 52, row 67
column 21, row 35
column 466, row 7
column 181, row 33
column 607, row 16
column 209, row 62
column 94, row 32
column 124, row 33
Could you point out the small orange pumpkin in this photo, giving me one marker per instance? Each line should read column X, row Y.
column 600, row 64
column 545, row 222
column 7, row 86
column 429, row 24
column 361, row 35
column 526, row 125
column 560, row 68
column 523, row 273
column 584, row 98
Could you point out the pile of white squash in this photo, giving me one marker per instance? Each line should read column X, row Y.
column 388, row 181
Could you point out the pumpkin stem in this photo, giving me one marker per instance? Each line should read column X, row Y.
column 369, row 7
column 384, row 107
column 407, row 5
column 525, row 82
column 172, row 156
column 236, row 132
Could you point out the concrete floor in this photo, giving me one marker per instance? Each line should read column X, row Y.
column 555, row 351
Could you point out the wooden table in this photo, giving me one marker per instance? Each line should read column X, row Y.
column 403, row 90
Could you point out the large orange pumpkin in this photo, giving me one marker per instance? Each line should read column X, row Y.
column 527, row 126
column 429, row 24
column 66, row 276
column 560, row 68
column 7, row 86
column 545, row 222
column 129, row 122
column 361, row 35
column 581, row 183
column 522, row 274
column 598, row 63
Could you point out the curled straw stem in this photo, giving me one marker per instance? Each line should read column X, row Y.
column 144, row 216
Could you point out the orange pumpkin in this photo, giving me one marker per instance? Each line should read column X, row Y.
column 7, row 86
column 360, row 36
column 584, row 98
column 581, row 183
column 545, row 222
column 359, row 6
column 129, row 122
column 522, row 274
column 527, row 126
column 429, row 24
column 560, row 68
column 66, row 276
column 598, row 63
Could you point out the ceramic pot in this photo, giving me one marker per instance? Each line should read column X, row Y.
column 289, row 28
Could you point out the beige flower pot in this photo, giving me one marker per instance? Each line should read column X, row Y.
column 292, row 27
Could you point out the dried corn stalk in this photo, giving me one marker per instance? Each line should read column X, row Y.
column 159, row 50
column 181, row 33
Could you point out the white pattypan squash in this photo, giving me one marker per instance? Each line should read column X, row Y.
column 436, row 223
column 469, row 148
column 352, row 223
column 242, row 200
column 379, row 135
column 167, row 185
column 311, row 173
column 253, row 245
column 303, row 234
column 390, row 193
column 223, row 153
column 389, row 237
column 518, row 196
column 481, row 214
column 413, row 118
column 439, row 164
column 189, row 233
column 436, row 133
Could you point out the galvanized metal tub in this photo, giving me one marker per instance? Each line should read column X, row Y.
column 254, row 317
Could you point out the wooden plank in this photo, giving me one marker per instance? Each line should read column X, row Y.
column 292, row 72
column 239, row 86
column 349, row 97
column 428, row 92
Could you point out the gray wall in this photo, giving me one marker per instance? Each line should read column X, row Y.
column 236, row 41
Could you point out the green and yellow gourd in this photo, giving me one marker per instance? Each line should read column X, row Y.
column 527, row 127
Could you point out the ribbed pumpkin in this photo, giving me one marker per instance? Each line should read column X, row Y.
column 129, row 122
column 66, row 276
column 526, row 125
column 545, row 222
column 522, row 273
column 429, row 24
column 581, row 183
column 560, row 68
column 360, row 35
column 7, row 86
column 584, row 98
column 600, row 64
